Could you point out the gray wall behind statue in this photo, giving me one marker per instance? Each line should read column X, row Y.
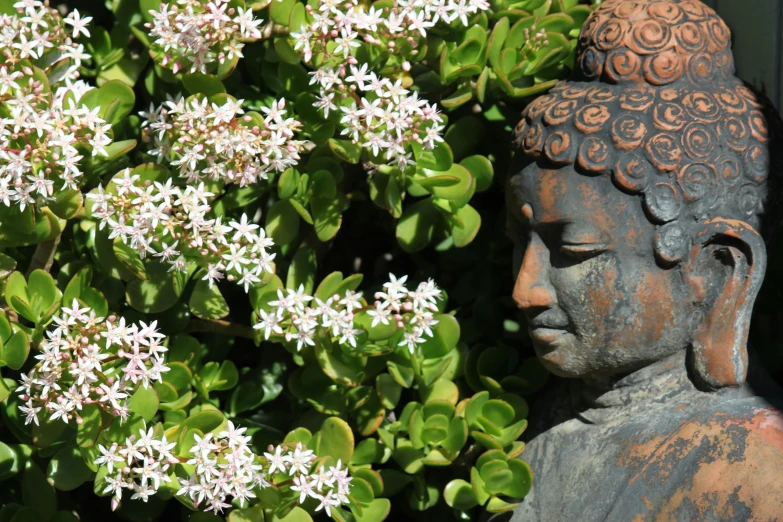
column 757, row 32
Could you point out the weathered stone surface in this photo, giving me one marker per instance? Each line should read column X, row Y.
column 644, row 193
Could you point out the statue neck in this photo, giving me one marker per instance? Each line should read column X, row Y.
column 654, row 386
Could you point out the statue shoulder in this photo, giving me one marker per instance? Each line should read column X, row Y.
column 724, row 463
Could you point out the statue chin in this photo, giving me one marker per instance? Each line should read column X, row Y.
column 641, row 200
column 558, row 358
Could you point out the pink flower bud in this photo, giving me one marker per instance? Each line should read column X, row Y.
column 400, row 324
column 408, row 306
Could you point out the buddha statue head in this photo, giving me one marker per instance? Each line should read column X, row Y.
column 642, row 197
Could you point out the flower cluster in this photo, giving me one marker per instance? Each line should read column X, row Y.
column 139, row 465
column 211, row 141
column 292, row 318
column 330, row 487
column 224, row 466
column 191, row 34
column 535, row 40
column 399, row 303
column 376, row 112
column 44, row 134
column 171, row 224
column 89, row 360
column 39, row 34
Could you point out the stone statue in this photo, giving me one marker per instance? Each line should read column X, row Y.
column 640, row 204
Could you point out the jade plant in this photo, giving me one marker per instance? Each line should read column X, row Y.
column 252, row 257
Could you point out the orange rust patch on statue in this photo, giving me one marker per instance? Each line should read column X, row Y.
column 728, row 453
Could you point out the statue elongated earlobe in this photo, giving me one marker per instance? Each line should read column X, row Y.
column 719, row 355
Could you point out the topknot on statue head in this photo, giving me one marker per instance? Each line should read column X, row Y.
column 654, row 42
column 657, row 108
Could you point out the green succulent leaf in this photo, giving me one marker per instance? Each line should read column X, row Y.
column 459, row 494
column 335, row 439
column 67, row 470
column 207, row 302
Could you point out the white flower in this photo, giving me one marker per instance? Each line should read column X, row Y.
column 78, row 23
column 277, row 460
column 270, row 322
column 380, row 315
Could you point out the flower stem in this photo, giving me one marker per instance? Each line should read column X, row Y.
column 220, row 327
column 43, row 258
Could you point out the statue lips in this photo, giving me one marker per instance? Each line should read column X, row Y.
column 547, row 328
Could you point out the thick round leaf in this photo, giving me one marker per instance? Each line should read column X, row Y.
column 87, row 432
column 67, row 470
column 367, row 452
column 459, row 494
column 145, row 403
column 417, row 225
column 457, row 435
column 335, row 440
column 251, row 514
column 302, row 270
column 202, row 83
column 67, row 204
column 15, row 351
column 328, row 215
column 498, row 480
column 442, row 389
column 295, row 515
column 24, row 514
column 38, row 493
column 159, row 292
column 346, row 150
column 205, row 421
column 219, row 377
column 8, row 462
column 282, row 222
column 481, row 169
column 361, row 491
column 388, row 390
column 522, row 481
column 287, row 183
column 280, row 12
column 206, row 302
column 18, row 296
column 465, row 231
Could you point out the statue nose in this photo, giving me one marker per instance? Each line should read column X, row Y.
column 533, row 288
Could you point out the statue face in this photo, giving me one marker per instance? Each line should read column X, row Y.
column 596, row 301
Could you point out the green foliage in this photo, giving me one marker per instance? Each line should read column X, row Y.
column 428, row 433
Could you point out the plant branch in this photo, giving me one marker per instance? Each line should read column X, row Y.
column 219, row 327
column 43, row 258
column 272, row 29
